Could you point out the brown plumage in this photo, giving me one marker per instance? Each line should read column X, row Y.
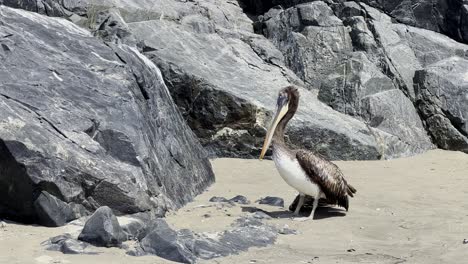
column 328, row 176
column 318, row 170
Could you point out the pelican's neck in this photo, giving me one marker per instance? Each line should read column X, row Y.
column 278, row 137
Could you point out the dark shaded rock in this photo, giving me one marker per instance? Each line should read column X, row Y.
column 46, row 7
column 67, row 245
column 446, row 16
column 105, row 132
column 165, row 243
column 186, row 247
column 54, row 212
column 271, row 200
column 248, row 233
column 240, row 199
column 103, row 229
column 442, row 100
column 217, row 199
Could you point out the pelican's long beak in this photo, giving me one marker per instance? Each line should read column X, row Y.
column 280, row 112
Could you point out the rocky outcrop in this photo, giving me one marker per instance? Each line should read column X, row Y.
column 229, row 99
column 442, row 99
column 344, row 58
column 85, row 124
column 360, row 56
column 449, row 17
column 445, row 16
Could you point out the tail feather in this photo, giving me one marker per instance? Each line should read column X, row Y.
column 344, row 202
column 351, row 190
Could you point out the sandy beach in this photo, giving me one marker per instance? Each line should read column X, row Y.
column 411, row 210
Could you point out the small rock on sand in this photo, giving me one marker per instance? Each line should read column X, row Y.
column 271, row 200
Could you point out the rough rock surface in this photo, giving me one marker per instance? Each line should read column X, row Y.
column 186, row 247
column 103, row 229
column 446, row 16
column 52, row 211
column 348, row 68
column 228, row 102
column 226, row 112
column 442, row 94
column 85, row 124
column 271, row 200
column 68, row 245
column 358, row 51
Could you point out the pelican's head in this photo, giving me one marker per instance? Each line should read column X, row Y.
column 286, row 96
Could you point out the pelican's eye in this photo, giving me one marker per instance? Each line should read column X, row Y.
column 282, row 100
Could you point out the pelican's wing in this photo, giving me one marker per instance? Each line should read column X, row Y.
column 328, row 176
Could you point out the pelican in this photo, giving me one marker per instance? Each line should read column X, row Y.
column 304, row 170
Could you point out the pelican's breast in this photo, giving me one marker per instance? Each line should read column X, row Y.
column 293, row 174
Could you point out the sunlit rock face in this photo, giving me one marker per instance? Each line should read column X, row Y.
column 85, row 123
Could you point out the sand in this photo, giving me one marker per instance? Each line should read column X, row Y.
column 411, row 210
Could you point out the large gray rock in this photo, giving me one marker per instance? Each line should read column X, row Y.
column 88, row 123
column 442, row 99
column 409, row 49
column 227, row 89
column 103, row 229
column 393, row 112
column 312, row 39
column 52, row 211
column 346, row 62
column 446, row 16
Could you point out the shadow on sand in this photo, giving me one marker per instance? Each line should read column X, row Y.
column 322, row 212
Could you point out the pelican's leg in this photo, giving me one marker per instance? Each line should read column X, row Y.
column 300, row 203
column 314, row 206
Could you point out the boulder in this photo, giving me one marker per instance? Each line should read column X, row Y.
column 449, row 17
column 86, row 124
column 391, row 111
column 407, row 49
column 164, row 242
column 442, row 100
column 52, row 211
column 312, row 39
column 103, row 229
